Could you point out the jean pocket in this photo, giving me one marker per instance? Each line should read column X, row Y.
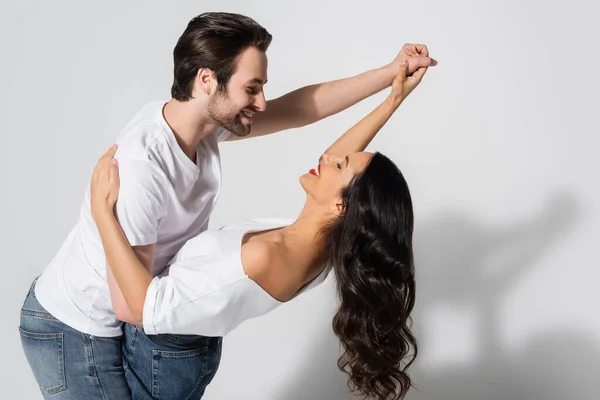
column 180, row 374
column 44, row 353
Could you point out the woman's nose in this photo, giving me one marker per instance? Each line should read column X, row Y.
column 325, row 158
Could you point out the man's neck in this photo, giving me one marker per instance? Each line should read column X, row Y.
column 190, row 123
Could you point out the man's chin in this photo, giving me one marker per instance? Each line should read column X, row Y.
column 241, row 130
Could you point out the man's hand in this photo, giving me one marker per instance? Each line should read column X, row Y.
column 417, row 56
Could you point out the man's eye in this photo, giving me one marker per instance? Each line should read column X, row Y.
column 250, row 90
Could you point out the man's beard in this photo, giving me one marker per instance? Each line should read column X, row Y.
column 224, row 113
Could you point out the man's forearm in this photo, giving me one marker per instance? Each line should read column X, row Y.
column 315, row 102
column 120, row 307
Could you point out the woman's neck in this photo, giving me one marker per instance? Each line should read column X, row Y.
column 305, row 238
column 300, row 257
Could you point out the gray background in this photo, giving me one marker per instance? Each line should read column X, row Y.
column 498, row 145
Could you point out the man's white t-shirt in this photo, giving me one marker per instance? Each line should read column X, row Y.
column 164, row 198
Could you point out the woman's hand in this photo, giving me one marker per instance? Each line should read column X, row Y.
column 104, row 185
column 404, row 83
column 417, row 56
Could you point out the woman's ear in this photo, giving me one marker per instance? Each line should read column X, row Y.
column 339, row 208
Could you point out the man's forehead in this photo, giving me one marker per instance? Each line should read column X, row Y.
column 250, row 77
column 251, row 67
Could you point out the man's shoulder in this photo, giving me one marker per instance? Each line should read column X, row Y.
column 144, row 131
column 144, row 143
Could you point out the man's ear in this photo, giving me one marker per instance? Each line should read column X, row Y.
column 206, row 81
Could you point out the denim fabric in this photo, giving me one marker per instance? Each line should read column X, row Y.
column 165, row 367
column 68, row 364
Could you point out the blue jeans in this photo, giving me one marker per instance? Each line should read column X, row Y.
column 163, row 367
column 68, row 364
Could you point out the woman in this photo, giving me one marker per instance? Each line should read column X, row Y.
column 357, row 219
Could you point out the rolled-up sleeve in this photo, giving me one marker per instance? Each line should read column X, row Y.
column 149, row 304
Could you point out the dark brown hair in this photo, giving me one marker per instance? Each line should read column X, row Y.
column 213, row 40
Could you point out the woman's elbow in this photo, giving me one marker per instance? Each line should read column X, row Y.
column 137, row 316
column 124, row 314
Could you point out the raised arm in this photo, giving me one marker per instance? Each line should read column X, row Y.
column 313, row 103
column 358, row 137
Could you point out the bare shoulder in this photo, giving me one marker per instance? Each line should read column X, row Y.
column 258, row 255
column 268, row 264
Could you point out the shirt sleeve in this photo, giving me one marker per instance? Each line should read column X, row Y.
column 142, row 201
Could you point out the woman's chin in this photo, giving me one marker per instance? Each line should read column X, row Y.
column 306, row 181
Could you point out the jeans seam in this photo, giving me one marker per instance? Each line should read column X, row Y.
column 93, row 366
column 155, row 386
column 34, row 335
column 180, row 353
column 108, row 338
column 36, row 314
column 62, row 372
column 128, row 346
column 199, row 380
column 89, row 354
column 179, row 340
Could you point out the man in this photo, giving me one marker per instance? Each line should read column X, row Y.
column 170, row 179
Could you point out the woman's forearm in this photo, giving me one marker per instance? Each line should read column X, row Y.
column 358, row 137
column 120, row 307
column 129, row 272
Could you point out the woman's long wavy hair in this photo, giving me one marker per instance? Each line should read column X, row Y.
column 370, row 248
